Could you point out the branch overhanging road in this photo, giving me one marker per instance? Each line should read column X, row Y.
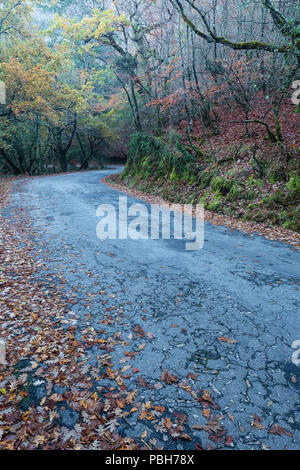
column 240, row 287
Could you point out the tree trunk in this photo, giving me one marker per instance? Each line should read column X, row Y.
column 62, row 154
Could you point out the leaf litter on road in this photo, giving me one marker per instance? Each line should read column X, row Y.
column 49, row 373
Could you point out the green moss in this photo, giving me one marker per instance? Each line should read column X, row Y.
column 277, row 173
column 293, row 183
column 205, row 178
column 173, row 176
column 236, row 192
column 213, row 206
column 158, row 157
column 250, row 195
column 163, row 166
column 250, row 207
column 279, row 197
column 204, row 198
column 255, row 182
column 288, row 219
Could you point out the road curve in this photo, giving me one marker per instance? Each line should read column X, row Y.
column 238, row 286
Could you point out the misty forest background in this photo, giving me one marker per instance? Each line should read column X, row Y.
column 194, row 95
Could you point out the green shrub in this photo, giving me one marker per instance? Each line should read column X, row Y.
column 236, row 192
column 158, row 157
column 144, row 153
column 221, row 185
column 293, row 183
column 277, row 173
column 279, row 197
column 205, row 178
column 213, row 206
column 255, row 182
column 250, row 195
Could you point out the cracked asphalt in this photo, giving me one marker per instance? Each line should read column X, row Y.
column 238, row 286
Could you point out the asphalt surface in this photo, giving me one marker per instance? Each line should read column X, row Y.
column 238, row 286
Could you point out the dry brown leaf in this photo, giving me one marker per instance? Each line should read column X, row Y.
column 168, row 378
column 227, row 340
column 279, row 430
column 168, row 423
column 206, row 413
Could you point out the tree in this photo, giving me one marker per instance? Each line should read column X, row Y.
column 288, row 27
column 41, row 107
column 13, row 17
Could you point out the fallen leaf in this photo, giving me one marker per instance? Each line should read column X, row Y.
column 168, row 378
column 213, row 426
column 168, row 423
column 279, row 430
column 229, row 441
column 206, row 413
column 192, row 376
column 227, row 340
column 185, row 436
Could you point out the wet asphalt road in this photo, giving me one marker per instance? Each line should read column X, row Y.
column 238, row 286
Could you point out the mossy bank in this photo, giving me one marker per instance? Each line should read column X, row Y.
column 236, row 181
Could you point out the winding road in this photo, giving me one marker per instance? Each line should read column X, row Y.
column 238, row 287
